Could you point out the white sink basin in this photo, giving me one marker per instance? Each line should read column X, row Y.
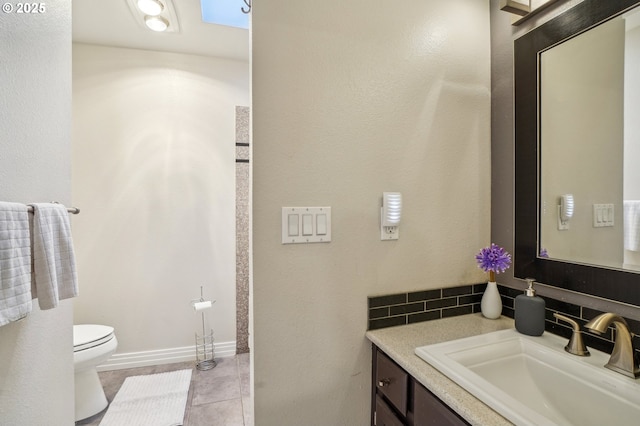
column 533, row 381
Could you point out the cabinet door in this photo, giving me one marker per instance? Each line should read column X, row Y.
column 428, row 410
column 384, row 415
column 392, row 381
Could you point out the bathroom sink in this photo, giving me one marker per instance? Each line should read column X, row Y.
column 533, row 381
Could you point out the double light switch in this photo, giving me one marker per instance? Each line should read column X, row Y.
column 301, row 225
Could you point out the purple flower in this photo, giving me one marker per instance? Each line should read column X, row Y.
column 493, row 259
column 543, row 253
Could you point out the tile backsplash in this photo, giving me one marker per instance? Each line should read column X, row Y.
column 418, row 306
column 407, row 308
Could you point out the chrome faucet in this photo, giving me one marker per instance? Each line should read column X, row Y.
column 622, row 358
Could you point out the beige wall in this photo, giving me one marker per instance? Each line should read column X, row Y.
column 36, row 356
column 154, row 175
column 351, row 99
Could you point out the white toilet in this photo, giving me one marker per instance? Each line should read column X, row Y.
column 92, row 346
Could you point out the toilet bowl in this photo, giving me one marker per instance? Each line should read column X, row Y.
column 92, row 346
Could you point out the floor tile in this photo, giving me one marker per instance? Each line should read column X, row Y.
column 247, row 411
column 225, row 367
column 245, row 384
column 215, row 389
column 220, row 396
column 224, row 413
column 243, row 361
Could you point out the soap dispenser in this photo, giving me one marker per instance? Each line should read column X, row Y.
column 529, row 313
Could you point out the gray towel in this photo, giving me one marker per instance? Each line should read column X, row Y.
column 15, row 263
column 54, row 262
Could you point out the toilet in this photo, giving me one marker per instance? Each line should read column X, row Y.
column 92, row 345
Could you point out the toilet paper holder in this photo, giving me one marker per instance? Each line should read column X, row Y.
column 205, row 359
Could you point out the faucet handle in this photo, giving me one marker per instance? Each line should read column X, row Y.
column 576, row 345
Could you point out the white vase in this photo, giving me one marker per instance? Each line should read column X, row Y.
column 491, row 304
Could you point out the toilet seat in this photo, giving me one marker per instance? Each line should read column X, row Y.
column 87, row 336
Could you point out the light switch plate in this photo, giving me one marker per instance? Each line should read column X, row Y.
column 603, row 215
column 314, row 225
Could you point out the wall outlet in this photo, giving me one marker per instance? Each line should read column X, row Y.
column 389, row 233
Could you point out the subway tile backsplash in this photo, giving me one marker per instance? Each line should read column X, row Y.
column 407, row 308
column 418, row 306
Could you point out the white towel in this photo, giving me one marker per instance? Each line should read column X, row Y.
column 54, row 262
column 632, row 225
column 15, row 263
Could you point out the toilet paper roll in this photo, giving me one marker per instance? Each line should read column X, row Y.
column 200, row 306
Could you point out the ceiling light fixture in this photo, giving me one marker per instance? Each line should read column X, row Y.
column 155, row 15
column 150, row 7
column 156, row 23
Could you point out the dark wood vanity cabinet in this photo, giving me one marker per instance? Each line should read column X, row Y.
column 397, row 399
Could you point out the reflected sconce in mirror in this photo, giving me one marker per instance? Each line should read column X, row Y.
column 390, row 215
column 565, row 211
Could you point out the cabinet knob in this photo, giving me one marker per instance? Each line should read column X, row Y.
column 384, row 382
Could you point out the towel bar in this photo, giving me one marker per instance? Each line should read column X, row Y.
column 72, row 210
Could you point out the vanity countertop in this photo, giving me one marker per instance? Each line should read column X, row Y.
column 400, row 342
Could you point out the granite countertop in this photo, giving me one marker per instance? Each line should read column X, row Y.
column 400, row 342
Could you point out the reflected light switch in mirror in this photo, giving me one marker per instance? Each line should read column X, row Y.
column 603, row 215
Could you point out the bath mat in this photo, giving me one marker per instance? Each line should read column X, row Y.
column 150, row 400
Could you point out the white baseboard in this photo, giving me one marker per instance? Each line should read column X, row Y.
column 120, row 361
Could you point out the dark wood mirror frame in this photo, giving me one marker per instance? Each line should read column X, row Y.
column 611, row 284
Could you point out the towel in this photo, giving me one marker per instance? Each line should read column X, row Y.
column 15, row 263
column 54, row 262
column 632, row 225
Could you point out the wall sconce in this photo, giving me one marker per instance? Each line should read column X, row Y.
column 522, row 7
column 525, row 9
column 390, row 214
column 155, row 15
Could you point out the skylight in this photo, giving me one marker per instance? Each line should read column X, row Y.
column 225, row 12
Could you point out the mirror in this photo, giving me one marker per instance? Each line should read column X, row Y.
column 590, row 146
column 555, row 148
